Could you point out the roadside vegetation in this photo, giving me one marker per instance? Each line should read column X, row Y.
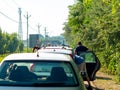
column 2, row 56
column 9, row 43
column 96, row 23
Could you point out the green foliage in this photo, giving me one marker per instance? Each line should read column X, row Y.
column 21, row 46
column 118, row 69
column 13, row 44
column 2, row 56
column 9, row 43
column 96, row 24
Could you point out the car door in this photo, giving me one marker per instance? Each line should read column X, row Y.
column 92, row 64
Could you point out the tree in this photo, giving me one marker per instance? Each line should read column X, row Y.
column 96, row 23
column 21, row 46
column 13, row 45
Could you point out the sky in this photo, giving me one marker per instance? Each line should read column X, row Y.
column 49, row 14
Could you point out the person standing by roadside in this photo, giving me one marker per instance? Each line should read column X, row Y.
column 80, row 61
column 36, row 48
column 80, row 48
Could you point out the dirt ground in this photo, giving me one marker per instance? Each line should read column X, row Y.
column 105, row 82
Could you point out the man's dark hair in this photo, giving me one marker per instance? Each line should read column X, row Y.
column 79, row 43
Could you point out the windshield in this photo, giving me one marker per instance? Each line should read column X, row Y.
column 37, row 73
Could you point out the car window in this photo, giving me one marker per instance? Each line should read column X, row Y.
column 88, row 56
column 38, row 72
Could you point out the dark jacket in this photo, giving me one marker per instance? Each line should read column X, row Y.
column 80, row 48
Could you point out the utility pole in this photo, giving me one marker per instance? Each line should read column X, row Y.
column 45, row 31
column 39, row 28
column 39, row 33
column 45, row 36
column 27, row 17
column 20, row 33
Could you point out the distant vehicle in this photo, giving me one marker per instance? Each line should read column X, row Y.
column 46, row 71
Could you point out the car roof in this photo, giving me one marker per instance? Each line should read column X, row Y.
column 60, row 51
column 38, row 56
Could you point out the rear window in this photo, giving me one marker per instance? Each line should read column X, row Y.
column 48, row 73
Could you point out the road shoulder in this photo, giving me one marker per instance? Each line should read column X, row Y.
column 105, row 82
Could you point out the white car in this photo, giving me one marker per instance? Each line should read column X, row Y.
column 40, row 71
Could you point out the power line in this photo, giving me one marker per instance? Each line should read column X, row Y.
column 16, row 3
column 8, row 17
column 32, row 28
column 16, row 21
column 8, row 5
